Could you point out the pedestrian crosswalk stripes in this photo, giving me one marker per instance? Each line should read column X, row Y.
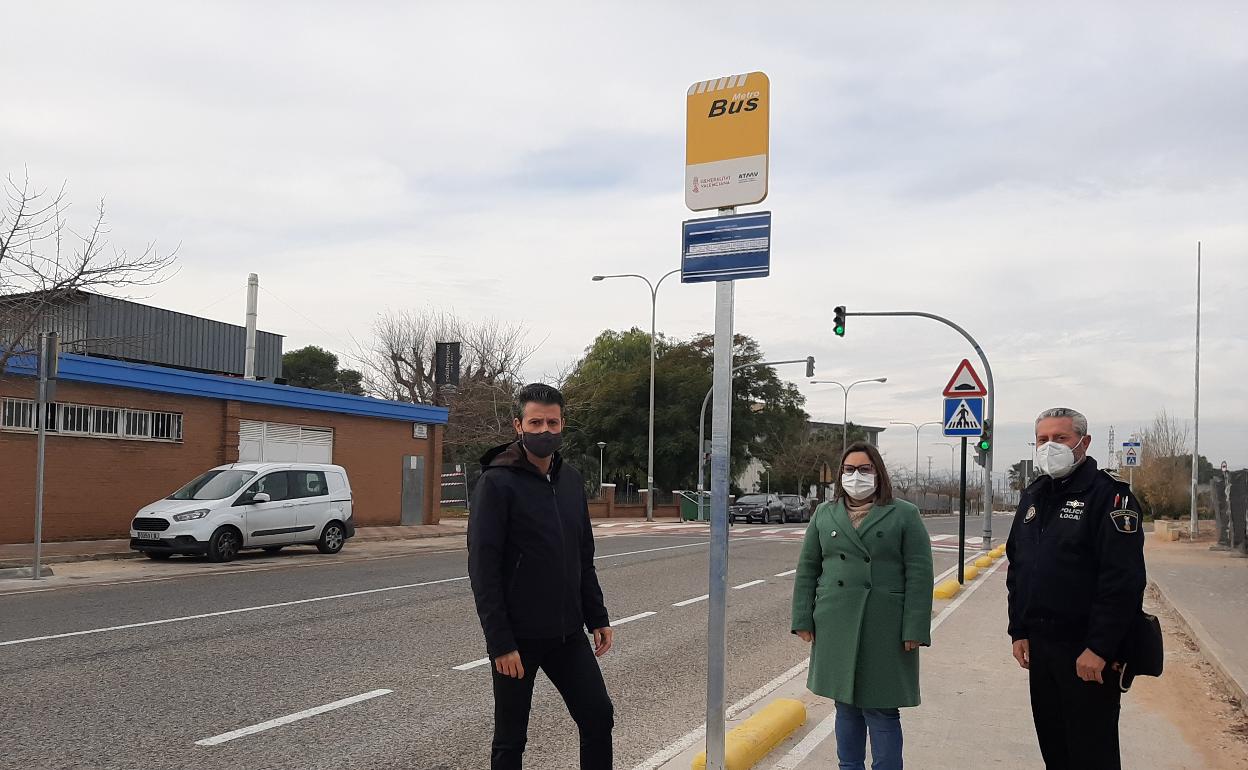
column 940, row 542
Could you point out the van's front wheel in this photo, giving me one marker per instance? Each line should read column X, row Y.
column 333, row 537
column 224, row 544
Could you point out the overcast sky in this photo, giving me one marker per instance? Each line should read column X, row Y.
column 1039, row 174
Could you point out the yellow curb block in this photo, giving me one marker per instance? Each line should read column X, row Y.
column 947, row 590
column 754, row 738
column 984, row 562
column 970, row 572
column 999, row 551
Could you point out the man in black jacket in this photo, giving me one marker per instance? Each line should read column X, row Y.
column 1076, row 581
column 531, row 562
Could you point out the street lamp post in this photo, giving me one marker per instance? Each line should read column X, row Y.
column 654, row 300
column 917, row 428
column 845, row 410
column 601, row 446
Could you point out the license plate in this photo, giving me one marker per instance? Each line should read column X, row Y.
column 149, row 535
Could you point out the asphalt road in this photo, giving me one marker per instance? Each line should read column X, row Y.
column 167, row 663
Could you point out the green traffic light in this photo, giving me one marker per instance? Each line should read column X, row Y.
column 985, row 444
column 840, row 331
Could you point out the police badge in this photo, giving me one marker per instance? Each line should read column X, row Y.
column 1031, row 514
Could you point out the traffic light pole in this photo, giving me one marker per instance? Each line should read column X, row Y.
column 962, row 522
column 990, row 406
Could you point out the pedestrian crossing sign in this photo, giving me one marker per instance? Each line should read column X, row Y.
column 964, row 417
column 1131, row 454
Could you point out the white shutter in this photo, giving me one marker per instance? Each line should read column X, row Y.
column 276, row 442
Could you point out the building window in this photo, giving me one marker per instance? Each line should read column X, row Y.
column 75, row 419
column 167, row 426
column 105, row 421
column 18, row 414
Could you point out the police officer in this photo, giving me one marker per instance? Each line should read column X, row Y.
column 1075, row 582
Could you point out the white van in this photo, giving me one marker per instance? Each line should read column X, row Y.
column 249, row 505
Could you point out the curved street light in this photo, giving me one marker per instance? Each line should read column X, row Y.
column 654, row 299
column 917, row 428
column 845, row 411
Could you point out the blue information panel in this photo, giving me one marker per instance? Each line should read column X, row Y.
column 964, row 417
column 726, row 248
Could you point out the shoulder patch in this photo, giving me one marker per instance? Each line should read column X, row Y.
column 1125, row 521
column 1031, row 514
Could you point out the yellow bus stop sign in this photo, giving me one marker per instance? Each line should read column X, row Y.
column 726, row 134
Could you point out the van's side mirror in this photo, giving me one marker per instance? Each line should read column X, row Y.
column 260, row 497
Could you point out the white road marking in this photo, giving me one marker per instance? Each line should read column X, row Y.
column 634, row 526
column 771, row 531
column 786, row 574
column 694, row 600
column 295, row 602
column 953, row 569
column 941, row 538
column 605, row 526
column 946, row 612
column 631, row 618
column 808, row 744
column 269, row 725
column 221, row 613
column 747, row 585
column 472, row 665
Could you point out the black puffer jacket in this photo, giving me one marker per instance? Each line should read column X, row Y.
column 531, row 552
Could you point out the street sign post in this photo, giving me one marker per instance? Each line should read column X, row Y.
column 726, row 248
column 726, row 141
column 964, row 418
column 725, row 166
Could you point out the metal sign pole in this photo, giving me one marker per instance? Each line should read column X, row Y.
column 717, row 643
column 962, row 522
column 47, row 350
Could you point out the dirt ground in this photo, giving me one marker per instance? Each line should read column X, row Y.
column 1191, row 695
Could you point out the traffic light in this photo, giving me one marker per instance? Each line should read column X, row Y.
column 810, row 366
column 838, row 321
column 983, row 446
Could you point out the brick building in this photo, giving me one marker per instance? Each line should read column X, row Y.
column 123, row 434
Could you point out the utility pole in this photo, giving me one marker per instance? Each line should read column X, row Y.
column 1196, row 406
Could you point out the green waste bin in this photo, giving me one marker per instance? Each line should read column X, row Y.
column 689, row 505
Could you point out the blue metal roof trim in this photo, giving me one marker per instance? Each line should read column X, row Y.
column 120, row 374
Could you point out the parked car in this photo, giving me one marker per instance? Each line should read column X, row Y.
column 796, row 508
column 249, row 505
column 759, row 509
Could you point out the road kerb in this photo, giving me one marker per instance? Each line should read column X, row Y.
column 971, row 572
column 947, row 589
column 753, row 739
column 984, row 562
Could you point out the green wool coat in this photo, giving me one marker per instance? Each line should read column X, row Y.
column 864, row 593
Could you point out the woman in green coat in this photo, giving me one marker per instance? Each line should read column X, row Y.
column 862, row 597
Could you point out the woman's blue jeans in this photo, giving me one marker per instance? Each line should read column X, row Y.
column 853, row 725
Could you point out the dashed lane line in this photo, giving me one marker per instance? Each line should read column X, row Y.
column 216, row 740
column 749, row 584
column 786, row 574
column 694, row 600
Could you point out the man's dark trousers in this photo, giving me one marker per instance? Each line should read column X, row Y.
column 1076, row 721
column 572, row 668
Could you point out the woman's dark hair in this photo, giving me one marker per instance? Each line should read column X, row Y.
column 538, row 393
column 883, row 485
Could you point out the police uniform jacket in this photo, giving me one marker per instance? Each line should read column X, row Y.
column 1076, row 556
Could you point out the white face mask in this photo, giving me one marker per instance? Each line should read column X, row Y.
column 858, row 485
column 1055, row 459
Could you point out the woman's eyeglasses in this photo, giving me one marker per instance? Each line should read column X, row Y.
column 866, row 470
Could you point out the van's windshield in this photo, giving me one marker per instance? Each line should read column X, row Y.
column 214, row 485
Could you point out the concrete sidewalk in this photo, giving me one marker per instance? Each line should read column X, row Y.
column 976, row 709
column 1208, row 592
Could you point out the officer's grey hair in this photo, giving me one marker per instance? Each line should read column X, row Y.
column 1081, row 422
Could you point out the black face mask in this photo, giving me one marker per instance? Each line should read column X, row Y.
column 543, row 444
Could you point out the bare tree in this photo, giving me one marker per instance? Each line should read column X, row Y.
column 1165, row 476
column 45, row 263
column 400, row 366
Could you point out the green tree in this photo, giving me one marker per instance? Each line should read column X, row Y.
column 608, row 400
column 317, row 368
